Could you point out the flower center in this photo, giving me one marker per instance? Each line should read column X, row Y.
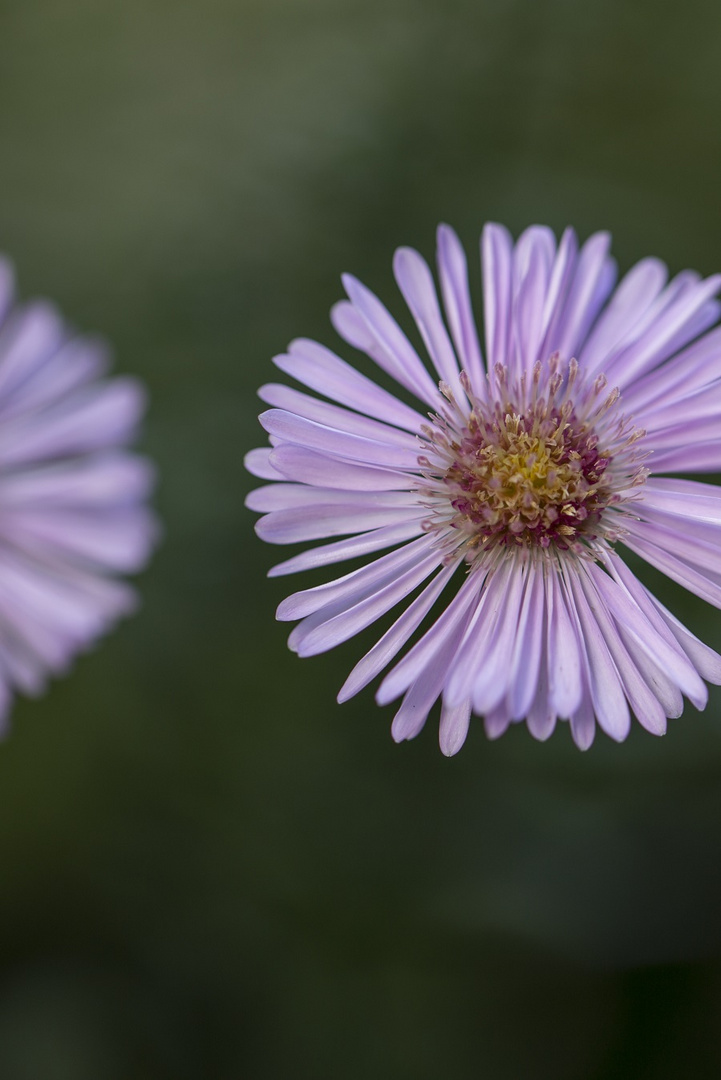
column 528, row 479
column 536, row 465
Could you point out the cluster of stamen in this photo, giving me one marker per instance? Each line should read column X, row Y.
column 528, row 479
column 531, row 466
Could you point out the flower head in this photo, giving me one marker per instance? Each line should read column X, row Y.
column 72, row 513
column 518, row 477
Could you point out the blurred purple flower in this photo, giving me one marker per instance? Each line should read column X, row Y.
column 528, row 470
column 72, row 511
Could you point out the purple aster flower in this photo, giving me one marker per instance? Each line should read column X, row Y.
column 72, row 511
column 516, row 479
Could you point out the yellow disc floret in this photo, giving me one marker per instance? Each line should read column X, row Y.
column 529, row 469
column 527, row 482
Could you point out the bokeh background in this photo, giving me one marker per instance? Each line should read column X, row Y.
column 208, row 869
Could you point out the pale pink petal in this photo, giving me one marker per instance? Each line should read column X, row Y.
column 664, row 336
column 646, row 706
column 323, row 371
column 296, row 429
column 625, row 311
column 281, row 496
column 384, row 650
column 340, row 550
column 398, row 357
column 425, row 690
column 346, row 624
column 696, row 366
column 358, row 583
column 497, row 721
column 491, row 678
column 497, row 262
column 258, row 463
column 532, row 261
column 283, row 397
column 689, row 457
column 542, row 714
column 564, row 652
column 699, row 583
column 453, row 274
column 609, row 701
column 633, row 621
column 427, row 648
column 416, row 283
column 528, row 646
column 687, row 541
column 583, row 724
column 479, row 635
column 592, row 282
column 290, row 462
column 562, row 272
column 455, row 721
column 294, row 526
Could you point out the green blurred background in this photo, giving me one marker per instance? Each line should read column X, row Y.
column 208, row 869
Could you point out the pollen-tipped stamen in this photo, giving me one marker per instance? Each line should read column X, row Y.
column 535, row 467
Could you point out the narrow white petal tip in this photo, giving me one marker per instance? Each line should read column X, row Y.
column 495, row 724
column 450, row 747
column 399, row 730
column 653, row 729
column 583, row 734
column 542, row 732
column 619, row 736
column 386, row 693
column 494, row 228
column 583, row 739
column 699, row 699
column 453, row 729
column 492, row 734
column 265, row 417
column 337, row 313
column 285, row 611
column 403, row 254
